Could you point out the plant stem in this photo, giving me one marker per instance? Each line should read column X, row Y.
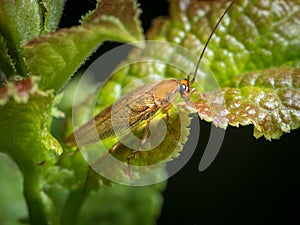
column 72, row 207
column 32, row 193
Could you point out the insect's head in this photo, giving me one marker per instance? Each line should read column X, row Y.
column 184, row 87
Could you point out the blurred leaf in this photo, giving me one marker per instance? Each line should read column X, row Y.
column 12, row 205
column 123, row 205
column 56, row 56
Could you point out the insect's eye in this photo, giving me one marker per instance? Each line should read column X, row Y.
column 182, row 88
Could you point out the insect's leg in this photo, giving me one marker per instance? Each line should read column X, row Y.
column 167, row 121
column 117, row 144
column 166, row 112
column 146, row 132
column 194, row 90
column 187, row 101
column 168, row 128
column 114, row 147
column 111, row 150
column 145, row 135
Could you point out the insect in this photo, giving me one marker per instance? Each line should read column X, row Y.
column 141, row 106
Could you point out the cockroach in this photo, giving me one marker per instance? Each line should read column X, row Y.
column 140, row 105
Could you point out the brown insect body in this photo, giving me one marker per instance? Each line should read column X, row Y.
column 140, row 105
column 129, row 112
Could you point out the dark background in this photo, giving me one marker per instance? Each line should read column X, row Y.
column 252, row 181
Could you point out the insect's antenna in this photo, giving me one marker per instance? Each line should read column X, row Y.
column 208, row 40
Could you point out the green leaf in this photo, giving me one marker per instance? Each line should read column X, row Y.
column 6, row 62
column 12, row 206
column 24, row 121
column 268, row 99
column 176, row 129
column 253, row 35
column 114, row 208
column 122, row 15
column 176, row 135
column 20, row 21
column 251, row 58
column 56, row 56
column 257, row 41
column 51, row 13
column 25, row 137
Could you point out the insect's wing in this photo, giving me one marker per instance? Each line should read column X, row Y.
column 89, row 132
column 119, row 118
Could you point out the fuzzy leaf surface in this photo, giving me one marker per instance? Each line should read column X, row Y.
column 253, row 55
column 57, row 55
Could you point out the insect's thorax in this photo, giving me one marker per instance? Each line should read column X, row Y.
column 166, row 91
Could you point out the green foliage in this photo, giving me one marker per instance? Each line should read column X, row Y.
column 268, row 99
column 253, row 56
column 57, row 55
column 135, row 205
column 11, row 206
column 21, row 21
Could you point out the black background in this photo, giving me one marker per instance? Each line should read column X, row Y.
column 252, row 181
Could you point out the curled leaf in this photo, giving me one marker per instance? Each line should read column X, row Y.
column 57, row 55
column 268, row 99
column 24, row 132
column 19, row 91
